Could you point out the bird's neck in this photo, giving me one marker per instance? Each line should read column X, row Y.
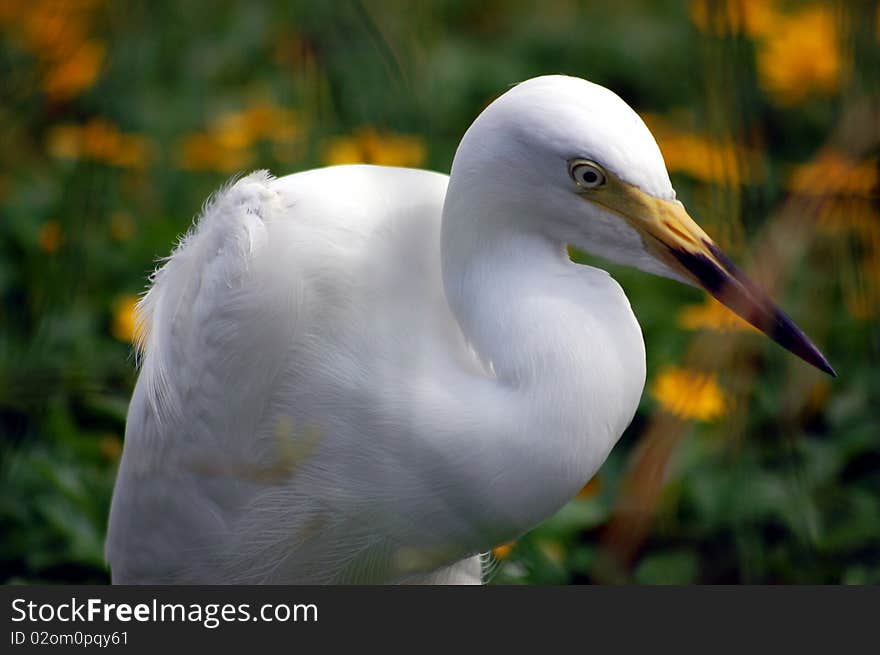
column 560, row 339
column 497, row 297
column 490, row 266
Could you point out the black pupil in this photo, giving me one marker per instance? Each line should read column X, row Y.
column 590, row 177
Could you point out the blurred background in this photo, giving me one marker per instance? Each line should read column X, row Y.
column 743, row 464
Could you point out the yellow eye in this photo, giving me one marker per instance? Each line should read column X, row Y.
column 586, row 174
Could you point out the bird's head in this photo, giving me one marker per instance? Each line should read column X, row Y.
column 571, row 160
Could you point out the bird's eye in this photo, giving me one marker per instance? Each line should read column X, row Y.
column 586, row 174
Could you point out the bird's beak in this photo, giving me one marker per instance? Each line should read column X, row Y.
column 671, row 235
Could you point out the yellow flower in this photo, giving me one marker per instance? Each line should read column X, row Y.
column 690, row 394
column 134, row 151
column 702, row 157
column 392, row 149
column 368, row 146
column 797, row 53
column 231, row 131
column 226, row 145
column 125, row 322
column 750, row 17
column 262, row 121
column 73, row 74
column 845, row 191
column 712, row 315
column 57, row 35
column 267, row 121
column 101, row 141
column 343, row 150
column 853, row 223
column 503, row 551
column 833, row 173
column 49, row 238
column 801, row 56
column 203, row 151
column 63, row 141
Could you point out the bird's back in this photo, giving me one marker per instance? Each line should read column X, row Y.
column 288, row 325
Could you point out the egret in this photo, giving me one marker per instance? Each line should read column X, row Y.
column 366, row 374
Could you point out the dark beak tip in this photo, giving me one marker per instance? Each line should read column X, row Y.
column 728, row 284
column 827, row 368
column 787, row 334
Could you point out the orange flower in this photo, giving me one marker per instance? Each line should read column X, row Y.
column 371, row 147
column 797, row 53
column 690, row 394
column 101, row 141
column 801, row 56
column 203, row 151
column 503, row 551
column 267, row 121
column 833, row 173
column 847, row 191
column 225, row 145
column 712, row 315
column 63, row 141
column 343, row 150
column 70, row 76
column 50, row 236
column 125, row 322
column 57, row 35
column 704, row 158
column 231, row 131
column 751, row 17
column 135, row 151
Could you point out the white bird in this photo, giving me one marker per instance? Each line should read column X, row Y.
column 363, row 374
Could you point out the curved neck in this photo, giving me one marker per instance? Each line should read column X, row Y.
column 491, row 266
column 523, row 306
column 563, row 352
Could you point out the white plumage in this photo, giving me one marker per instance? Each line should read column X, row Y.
column 357, row 374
